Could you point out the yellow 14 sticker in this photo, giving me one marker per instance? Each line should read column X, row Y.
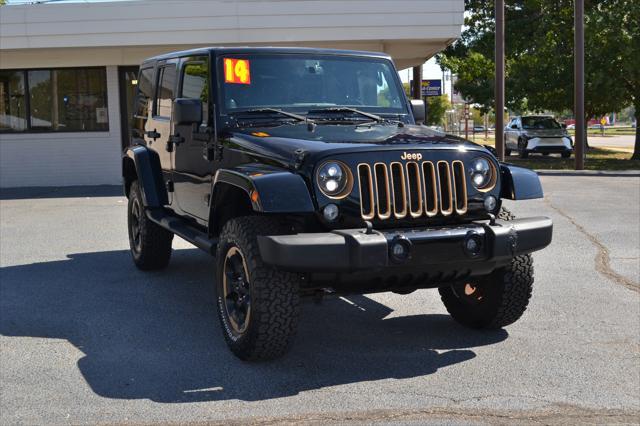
column 236, row 71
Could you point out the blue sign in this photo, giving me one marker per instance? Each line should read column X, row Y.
column 431, row 88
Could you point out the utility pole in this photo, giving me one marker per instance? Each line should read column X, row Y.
column 499, row 54
column 578, row 89
column 416, row 90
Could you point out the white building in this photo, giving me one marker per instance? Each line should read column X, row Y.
column 67, row 71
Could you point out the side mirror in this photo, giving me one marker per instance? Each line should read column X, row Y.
column 564, row 125
column 419, row 111
column 514, row 126
column 187, row 111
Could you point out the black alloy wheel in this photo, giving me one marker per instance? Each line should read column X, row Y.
column 236, row 291
column 134, row 226
column 469, row 292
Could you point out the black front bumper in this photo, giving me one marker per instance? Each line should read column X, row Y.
column 443, row 249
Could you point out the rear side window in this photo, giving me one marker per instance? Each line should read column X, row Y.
column 166, row 87
column 145, row 92
column 195, row 85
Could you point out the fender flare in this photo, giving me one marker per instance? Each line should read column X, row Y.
column 519, row 183
column 149, row 174
column 270, row 191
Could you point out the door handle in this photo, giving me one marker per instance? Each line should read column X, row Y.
column 174, row 140
column 153, row 134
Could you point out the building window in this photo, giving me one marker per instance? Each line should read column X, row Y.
column 13, row 104
column 54, row 100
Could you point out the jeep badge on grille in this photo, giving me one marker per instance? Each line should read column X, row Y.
column 409, row 156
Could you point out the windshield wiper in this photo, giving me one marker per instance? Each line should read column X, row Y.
column 274, row 111
column 337, row 110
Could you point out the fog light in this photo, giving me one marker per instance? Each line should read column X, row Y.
column 473, row 244
column 490, row 203
column 400, row 249
column 330, row 212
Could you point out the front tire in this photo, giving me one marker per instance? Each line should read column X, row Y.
column 258, row 305
column 566, row 154
column 495, row 300
column 150, row 244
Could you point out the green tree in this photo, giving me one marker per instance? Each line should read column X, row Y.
column 539, row 55
column 437, row 106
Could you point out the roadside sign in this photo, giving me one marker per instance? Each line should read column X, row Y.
column 431, row 88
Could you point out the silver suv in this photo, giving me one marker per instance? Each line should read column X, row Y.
column 536, row 133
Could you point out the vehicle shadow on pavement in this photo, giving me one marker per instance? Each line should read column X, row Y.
column 156, row 335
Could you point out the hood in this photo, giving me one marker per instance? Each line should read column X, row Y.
column 287, row 143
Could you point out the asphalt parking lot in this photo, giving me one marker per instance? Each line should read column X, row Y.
column 87, row 338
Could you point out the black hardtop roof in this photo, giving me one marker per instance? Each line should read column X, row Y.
column 259, row 50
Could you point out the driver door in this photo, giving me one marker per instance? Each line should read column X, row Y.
column 192, row 173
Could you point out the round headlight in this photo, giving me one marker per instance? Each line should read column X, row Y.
column 482, row 173
column 334, row 179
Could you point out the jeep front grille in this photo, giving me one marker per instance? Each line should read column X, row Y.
column 412, row 189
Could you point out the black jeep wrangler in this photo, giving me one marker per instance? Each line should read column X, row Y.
column 304, row 173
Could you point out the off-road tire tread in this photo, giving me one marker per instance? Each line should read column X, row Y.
column 156, row 241
column 517, row 286
column 275, row 308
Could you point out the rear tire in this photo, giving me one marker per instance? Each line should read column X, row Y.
column 495, row 300
column 149, row 243
column 258, row 305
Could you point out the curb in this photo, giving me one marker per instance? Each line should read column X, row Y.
column 609, row 173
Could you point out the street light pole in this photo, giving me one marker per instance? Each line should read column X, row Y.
column 578, row 89
column 499, row 54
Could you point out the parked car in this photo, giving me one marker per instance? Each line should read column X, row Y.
column 537, row 133
column 303, row 180
column 478, row 129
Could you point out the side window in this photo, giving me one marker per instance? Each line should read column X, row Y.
column 145, row 93
column 165, row 90
column 195, row 85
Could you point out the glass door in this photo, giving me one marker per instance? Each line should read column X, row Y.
column 128, row 82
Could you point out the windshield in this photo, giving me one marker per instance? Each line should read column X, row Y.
column 541, row 123
column 302, row 83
